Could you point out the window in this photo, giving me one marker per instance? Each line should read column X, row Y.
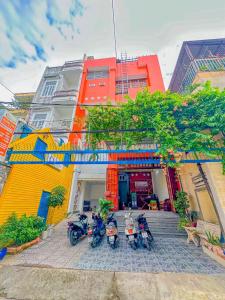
column 39, row 120
column 97, row 74
column 49, row 88
column 40, row 146
column 123, row 86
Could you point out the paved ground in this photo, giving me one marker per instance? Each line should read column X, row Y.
column 167, row 255
column 59, row 284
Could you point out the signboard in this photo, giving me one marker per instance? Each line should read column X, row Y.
column 7, row 128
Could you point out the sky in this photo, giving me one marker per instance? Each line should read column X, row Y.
column 39, row 33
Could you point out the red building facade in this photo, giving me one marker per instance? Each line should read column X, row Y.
column 110, row 79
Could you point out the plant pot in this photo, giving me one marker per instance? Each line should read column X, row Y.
column 221, row 252
column 44, row 235
column 216, row 249
column 50, row 231
column 3, row 252
column 17, row 249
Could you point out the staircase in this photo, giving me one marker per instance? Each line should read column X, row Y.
column 161, row 223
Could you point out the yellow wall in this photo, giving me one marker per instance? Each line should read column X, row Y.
column 25, row 183
column 200, row 201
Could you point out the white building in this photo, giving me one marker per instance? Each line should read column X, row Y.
column 57, row 94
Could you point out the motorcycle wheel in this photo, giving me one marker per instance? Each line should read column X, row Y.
column 149, row 245
column 94, row 243
column 73, row 238
column 113, row 246
column 133, row 245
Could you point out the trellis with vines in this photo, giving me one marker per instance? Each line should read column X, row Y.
column 177, row 122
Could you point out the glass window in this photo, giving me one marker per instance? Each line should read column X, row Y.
column 40, row 146
column 97, row 74
column 49, row 88
column 123, row 86
column 39, row 120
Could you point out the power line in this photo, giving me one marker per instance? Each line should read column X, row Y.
column 56, row 104
column 6, row 88
column 114, row 27
column 88, row 131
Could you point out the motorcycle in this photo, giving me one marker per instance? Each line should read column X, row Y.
column 97, row 231
column 77, row 229
column 144, row 234
column 130, row 231
column 112, row 232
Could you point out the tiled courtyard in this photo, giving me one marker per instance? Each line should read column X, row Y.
column 167, row 255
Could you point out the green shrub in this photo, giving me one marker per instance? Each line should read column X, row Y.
column 104, row 206
column 57, row 196
column 182, row 223
column 213, row 239
column 17, row 231
column 181, row 203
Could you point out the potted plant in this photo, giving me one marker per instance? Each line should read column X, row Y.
column 56, row 200
column 181, row 203
column 183, row 222
column 104, row 207
column 213, row 242
column 193, row 217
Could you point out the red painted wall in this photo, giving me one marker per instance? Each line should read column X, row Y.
column 99, row 91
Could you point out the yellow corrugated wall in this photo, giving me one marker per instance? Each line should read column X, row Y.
column 25, row 184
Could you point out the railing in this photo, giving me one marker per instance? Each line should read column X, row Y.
column 202, row 65
column 52, row 71
column 65, row 93
column 62, row 124
column 73, row 63
column 142, row 157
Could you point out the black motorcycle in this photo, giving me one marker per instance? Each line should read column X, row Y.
column 77, row 229
column 96, row 231
column 145, row 237
column 112, row 232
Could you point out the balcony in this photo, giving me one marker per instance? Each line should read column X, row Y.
column 52, row 71
column 212, row 64
column 65, row 96
column 73, row 64
column 60, row 125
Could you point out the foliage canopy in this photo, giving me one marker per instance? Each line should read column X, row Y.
column 57, row 196
column 191, row 121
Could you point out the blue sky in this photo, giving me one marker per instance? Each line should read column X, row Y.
column 37, row 33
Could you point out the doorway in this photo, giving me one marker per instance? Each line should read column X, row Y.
column 43, row 206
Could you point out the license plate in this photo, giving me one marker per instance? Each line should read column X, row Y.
column 144, row 234
column 90, row 239
column 131, row 237
column 111, row 238
column 130, row 231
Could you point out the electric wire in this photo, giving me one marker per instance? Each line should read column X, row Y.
column 57, row 104
column 2, row 84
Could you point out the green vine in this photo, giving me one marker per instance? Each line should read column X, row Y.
column 192, row 121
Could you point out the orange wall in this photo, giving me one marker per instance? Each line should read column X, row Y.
column 99, row 91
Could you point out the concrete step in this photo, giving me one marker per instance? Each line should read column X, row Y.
column 162, row 224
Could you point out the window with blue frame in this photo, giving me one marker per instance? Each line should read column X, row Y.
column 40, row 146
column 67, row 158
